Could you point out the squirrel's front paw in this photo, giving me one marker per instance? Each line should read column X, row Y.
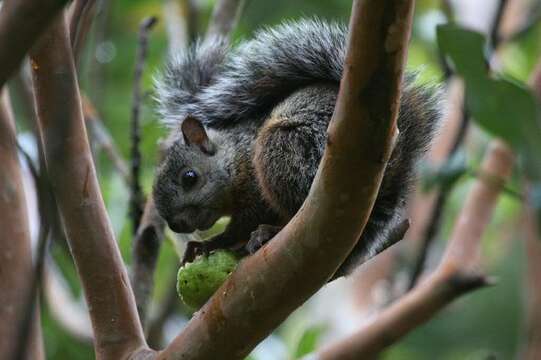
column 193, row 250
column 260, row 236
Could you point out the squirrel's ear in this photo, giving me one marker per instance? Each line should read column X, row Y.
column 195, row 134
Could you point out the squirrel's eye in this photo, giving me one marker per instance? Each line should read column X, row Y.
column 189, row 178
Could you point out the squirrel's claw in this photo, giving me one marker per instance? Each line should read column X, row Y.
column 261, row 236
column 193, row 250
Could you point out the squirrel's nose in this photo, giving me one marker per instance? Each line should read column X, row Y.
column 179, row 225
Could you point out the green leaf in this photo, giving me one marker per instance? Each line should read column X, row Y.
column 503, row 108
column 465, row 49
column 308, row 341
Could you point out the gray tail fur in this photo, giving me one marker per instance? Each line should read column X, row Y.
column 252, row 78
column 185, row 75
column 223, row 87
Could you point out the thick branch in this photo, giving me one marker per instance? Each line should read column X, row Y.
column 457, row 274
column 21, row 22
column 225, row 16
column 360, row 139
column 73, row 177
column 16, row 256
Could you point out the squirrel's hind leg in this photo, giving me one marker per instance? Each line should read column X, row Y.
column 286, row 160
column 289, row 147
column 261, row 236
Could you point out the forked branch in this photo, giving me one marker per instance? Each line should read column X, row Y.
column 458, row 273
column 73, row 177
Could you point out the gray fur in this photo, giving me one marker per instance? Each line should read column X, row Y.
column 256, row 75
column 266, row 106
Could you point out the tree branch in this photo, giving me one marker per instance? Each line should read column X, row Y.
column 27, row 19
column 146, row 246
column 532, row 338
column 457, row 274
column 136, row 194
column 432, row 228
column 80, row 18
column 225, row 17
column 251, row 303
column 163, row 311
column 100, row 137
column 16, row 254
column 176, row 18
column 73, row 177
column 532, row 344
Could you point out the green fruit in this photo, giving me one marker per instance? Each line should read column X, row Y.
column 197, row 281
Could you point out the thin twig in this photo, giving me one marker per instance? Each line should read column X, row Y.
column 81, row 15
column 192, row 12
column 146, row 246
column 495, row 38
column 164, row 311
column 225, row 16
column 100, row 35
column 100, row 136
column 136, row 194
column 434, row 223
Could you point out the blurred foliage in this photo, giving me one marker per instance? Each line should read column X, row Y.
column 308, row 341
column 505, row 109
column 444, row 176
column 484, row 323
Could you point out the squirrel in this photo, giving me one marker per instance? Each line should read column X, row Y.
column 248, row 128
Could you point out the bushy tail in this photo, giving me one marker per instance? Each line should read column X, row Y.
column 223, row 87
column 185, row 75
column 255, row 76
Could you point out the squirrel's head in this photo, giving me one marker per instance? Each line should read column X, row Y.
column 191, row 190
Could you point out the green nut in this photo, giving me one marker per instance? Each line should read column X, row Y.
column 197, row 281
